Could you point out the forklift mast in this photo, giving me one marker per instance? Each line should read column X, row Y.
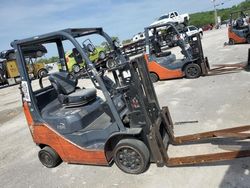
column 146, row 112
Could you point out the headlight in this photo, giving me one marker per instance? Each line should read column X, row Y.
column 102, row 55
column 76, row 68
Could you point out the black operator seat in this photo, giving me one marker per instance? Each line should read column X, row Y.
column 157, row 50
column 66, row 87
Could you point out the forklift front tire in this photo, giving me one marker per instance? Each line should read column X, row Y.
column 154, row 77
column 131, row 156
column 48, row 157
column 192, row 70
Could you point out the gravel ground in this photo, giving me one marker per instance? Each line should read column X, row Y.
column 216, row 101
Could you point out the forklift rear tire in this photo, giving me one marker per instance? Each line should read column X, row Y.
column 48, row 157
column 192, row 70
column 131, row 156
column 154, row 77
column 231, row 42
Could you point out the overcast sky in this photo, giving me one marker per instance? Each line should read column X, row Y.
column 122, row 18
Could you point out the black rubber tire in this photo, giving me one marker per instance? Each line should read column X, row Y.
column 171, row 45
column 131, row 156
column 110, row 64
column 42, row 73
column 192, row 70
column 73, row 68
column 154, row 77
column 248, row 39
column 101, row 52
column 2, row 77
column 231, row 42
column 48, row 157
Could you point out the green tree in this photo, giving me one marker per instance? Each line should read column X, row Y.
column 203, row 18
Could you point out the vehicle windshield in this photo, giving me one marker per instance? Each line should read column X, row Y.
column 192, row 28
column 164, row 17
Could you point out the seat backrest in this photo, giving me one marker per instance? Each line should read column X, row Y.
column 77, row 56
column 63, row 82
column 156, row 47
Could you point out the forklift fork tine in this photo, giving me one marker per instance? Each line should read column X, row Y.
column 214, row 157
column 213, row 134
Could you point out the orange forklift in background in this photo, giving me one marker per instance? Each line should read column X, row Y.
column 239, row 27
column 164, row 65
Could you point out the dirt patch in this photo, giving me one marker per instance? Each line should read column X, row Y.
column 8, row 114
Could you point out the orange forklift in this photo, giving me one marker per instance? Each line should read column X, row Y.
column 239, row 27
column 164, row 65
column 126, row 125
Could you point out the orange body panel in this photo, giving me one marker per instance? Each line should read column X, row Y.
column 68, row 151
column 162, row 72
column 236, row 38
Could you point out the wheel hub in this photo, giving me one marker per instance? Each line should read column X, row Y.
column 46, row 158
column 192, row 71
column 129, row 158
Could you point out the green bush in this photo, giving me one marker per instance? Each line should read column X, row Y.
column 203, row 18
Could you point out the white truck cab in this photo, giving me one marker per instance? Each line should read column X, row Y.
column 172, row 17
column 191, row 30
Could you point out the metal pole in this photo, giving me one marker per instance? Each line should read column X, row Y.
column 215, row 13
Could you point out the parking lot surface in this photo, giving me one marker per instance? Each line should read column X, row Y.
column 216, row 101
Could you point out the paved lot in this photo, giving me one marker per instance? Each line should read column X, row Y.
column 216, row 101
